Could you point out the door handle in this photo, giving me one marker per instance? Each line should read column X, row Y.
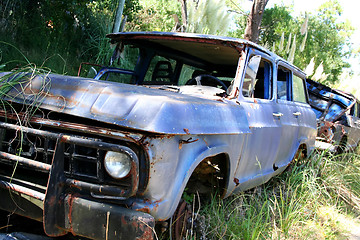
column 277, row 114
column 296, row 114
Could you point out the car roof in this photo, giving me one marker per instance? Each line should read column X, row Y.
column 209, row 48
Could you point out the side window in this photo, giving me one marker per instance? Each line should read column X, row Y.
column 283, row 80
column 257, row 82
column 355, row 110
column 298, row 89
column 250, row 76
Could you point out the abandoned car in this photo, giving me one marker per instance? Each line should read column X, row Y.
column 203, row 113
column 337, row 116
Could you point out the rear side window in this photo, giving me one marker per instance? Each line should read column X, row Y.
column 298, row 88
column 283, row 80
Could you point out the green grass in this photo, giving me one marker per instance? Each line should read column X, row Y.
column 317, row 198
column 18, row 81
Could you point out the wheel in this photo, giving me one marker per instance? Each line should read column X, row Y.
column 181, row 221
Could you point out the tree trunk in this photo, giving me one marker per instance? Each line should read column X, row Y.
column 252, row 29
column 123, row 22
column 118, row 16
column 184, row 16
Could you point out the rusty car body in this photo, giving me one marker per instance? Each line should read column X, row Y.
column 182, row 111
column 337, row 114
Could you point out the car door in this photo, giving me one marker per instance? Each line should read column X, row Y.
column 289, row 114
column 261, row 146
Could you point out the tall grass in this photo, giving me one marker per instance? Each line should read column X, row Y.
column 310, row 200
column 22, row 83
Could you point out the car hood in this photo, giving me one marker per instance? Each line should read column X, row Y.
column 131, row 106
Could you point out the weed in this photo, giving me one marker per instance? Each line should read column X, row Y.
column 308, row 201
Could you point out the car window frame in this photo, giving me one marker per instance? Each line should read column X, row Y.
column 303, row 85
column 264, row 57
column 293, row 71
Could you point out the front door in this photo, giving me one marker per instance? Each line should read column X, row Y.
column 261, row 146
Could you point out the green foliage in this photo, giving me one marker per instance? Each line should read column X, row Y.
column 155, row 15
column 326, row 37
column 39, row 28
column 308, row 201
column 208, row 17
column 61, row 34
column 57, row 34
column 275, row 22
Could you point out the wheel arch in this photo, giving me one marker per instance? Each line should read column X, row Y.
column 218, row 152
column 213, row 173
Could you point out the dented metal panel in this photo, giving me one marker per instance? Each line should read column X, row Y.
column 337, row 114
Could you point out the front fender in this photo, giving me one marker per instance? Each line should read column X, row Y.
column 169, row 175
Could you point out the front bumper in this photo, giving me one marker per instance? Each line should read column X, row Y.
column 83, row 217
column 104, row 221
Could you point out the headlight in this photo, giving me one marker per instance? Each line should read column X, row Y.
column 118, row 164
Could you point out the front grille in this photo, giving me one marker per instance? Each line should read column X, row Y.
column 27, row 155
column 82, row 163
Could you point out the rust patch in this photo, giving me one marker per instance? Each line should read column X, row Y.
column 145, row 209
column 146, row 145
column 326, row 131
column 75, row 185
column 123, row 221
column 236, row 181
column 147, row 233
column 186, row 131
column 187, row 141
column 70, row 202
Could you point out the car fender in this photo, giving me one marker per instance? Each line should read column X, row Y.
column 162, row 204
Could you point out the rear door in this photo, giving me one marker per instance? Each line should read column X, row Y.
column 291, row 110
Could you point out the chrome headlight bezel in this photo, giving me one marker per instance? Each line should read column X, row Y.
column 118, row 164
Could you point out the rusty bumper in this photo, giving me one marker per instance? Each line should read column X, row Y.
column 104, row 221
column 83, row 217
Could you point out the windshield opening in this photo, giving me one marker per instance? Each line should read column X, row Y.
column 144, row 65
